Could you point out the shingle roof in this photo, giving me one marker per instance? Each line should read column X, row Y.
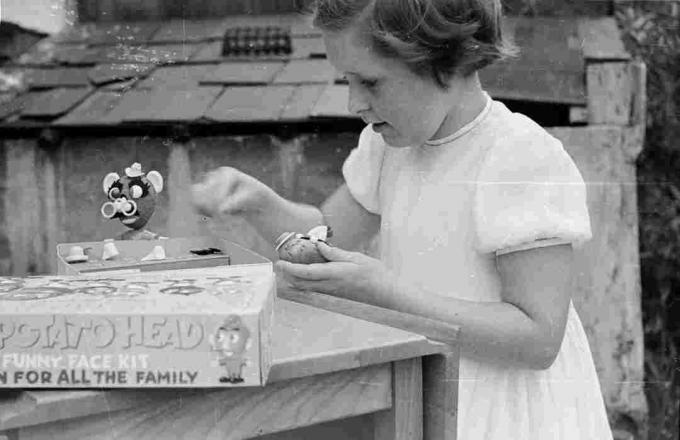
column 131, row 73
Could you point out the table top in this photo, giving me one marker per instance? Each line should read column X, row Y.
column 306, row 341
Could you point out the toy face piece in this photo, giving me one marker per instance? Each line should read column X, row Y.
column 131, row 198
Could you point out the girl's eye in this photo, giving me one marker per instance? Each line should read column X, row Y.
column 136, row 191
column 114, row 192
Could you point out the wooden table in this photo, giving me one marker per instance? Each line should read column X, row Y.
column 326, row 366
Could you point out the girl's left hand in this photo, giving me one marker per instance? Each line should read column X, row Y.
column 351, row 275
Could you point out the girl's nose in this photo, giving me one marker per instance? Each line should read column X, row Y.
column 357, row 102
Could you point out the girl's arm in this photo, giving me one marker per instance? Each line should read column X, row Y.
column 525, row 328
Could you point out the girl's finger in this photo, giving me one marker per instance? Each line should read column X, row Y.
column 312, row 272
column 333, row 253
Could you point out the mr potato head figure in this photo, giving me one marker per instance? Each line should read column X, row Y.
column 132, row 200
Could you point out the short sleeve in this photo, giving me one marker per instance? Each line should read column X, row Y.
column 362, row 170
column 529, row 194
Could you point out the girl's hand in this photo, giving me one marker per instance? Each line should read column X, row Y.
column 351, row 275
column 229, row 191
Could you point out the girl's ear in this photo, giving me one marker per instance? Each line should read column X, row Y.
column 108, row 181
column 156, row 180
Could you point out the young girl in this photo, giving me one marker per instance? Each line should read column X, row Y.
column 476, row 208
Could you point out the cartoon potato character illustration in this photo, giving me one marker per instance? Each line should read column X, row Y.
column 132, row 199
column 231, row 341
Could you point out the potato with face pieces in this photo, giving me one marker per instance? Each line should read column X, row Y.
column 132, row 200
column 301, row 248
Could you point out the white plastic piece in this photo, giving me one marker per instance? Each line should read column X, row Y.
column 157, row 253
column 76, row 255
column 109, row 250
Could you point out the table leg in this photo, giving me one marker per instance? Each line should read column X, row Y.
column 404, row 420
column 440, row 394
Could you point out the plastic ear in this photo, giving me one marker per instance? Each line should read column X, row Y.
column 108, row 181
column 156, row 180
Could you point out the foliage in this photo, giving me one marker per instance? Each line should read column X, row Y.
column 652, row 33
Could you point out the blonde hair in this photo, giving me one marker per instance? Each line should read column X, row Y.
column 434, row 38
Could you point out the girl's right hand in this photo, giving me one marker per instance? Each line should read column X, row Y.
column 229, row 191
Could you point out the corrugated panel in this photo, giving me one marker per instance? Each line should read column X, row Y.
column 180, row 31
column 246, row 104
column 173, row 77
column 92, row 111
column 58, row 77
column 53, row 103
column 107, row 73
column 302, row 102
column 306, row 71
column 333, row 103
column 243, row 73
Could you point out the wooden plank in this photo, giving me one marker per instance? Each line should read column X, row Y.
column 124, row 32
column 93, row 110
column 431, row 328
column 609, row 93
column 601, row 39
column 132, row 101
column 308, row 47
column 302, row 102
column 107, row 73
column 306, row 71
column 237, row 413
column 333, row 103
column 531, row 83
column 440, row 394
column 59, row 77
column 55, row 102
column 404, row 420
column 255, row 72
column 177, row 105
column 172, row 53
column 638, row 75
column 181, row 30
column 176, row 77
column 249, row 104
column 209, row 52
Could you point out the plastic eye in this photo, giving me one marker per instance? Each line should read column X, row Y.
column 114, row 192
column 136, row 191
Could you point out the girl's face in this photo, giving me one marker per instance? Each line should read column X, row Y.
column 404, row 108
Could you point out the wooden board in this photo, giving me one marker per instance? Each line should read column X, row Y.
column 180, row 31
column 301, row 103
column 250, row 104
column 93, row 110
column 169, row 105
column 601, row 39
column 55, row 102
column 176, row 77
column 235, row 73
column 58, row 77
column 333, row 103
column 107, row 73
column 610, row 93
column 306, row 71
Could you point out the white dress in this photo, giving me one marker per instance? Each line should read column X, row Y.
column 448, row 207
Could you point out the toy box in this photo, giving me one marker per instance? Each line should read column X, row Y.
column 140, row 325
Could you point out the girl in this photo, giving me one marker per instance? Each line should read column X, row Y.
column 476, row 208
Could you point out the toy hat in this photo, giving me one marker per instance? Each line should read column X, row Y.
column 134, row 170
column 76, row 255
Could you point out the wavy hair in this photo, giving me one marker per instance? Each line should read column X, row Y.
column 434, row 38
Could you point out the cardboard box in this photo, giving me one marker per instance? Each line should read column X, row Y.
column 200, row 327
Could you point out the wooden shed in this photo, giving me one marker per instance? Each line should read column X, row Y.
column 185, row 95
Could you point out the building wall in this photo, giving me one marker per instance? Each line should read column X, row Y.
column 54, row 195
